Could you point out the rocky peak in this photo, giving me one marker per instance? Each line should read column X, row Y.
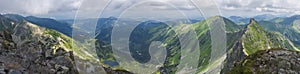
column 24, row 49
column 252, row 21
column 254, row 25
column 256, row 38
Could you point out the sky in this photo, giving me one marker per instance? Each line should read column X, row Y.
column 67, row 9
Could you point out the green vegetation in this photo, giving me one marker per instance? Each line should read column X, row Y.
column 256, row 38
column 80, row 49
column 202, row 30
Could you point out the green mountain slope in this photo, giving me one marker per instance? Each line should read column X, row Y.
column 28, row 48
column 202, row 30
column 203, row 26
column 287, row 26
column 150, row 31
column 255, row 38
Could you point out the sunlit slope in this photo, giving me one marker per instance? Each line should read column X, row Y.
column 256, row 38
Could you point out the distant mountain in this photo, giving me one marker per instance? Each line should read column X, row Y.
column 287, row 26
column 286, row 20
column 265, row 17
column 245, row 20
column 15, row 17
column 239, row 20
column 60, row 26
column 104, row 28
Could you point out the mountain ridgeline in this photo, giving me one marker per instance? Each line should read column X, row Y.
column 60, row 26
column 45, row 45
column 255, row 38
column 26, row 48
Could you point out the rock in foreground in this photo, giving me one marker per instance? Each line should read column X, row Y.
column 24, row 51
column 272, row 61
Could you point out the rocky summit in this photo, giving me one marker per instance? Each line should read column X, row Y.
column 273, row 61
column 24, row 49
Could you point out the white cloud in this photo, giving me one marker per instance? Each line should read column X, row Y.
column 257, row 7
column 38, row 7
column 68, row 8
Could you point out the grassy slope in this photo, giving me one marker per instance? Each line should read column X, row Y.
column 202, row 30
column 81, row 50
column 203, row 34
column 256, row 38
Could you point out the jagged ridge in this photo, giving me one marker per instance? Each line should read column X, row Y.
column 256, row 38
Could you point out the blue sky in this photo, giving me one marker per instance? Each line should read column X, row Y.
column 65, row 9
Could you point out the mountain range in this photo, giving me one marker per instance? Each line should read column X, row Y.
column 51, row 41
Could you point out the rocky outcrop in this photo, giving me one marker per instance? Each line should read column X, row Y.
column 24, row 50
column 273, row 61
column 254, row 38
